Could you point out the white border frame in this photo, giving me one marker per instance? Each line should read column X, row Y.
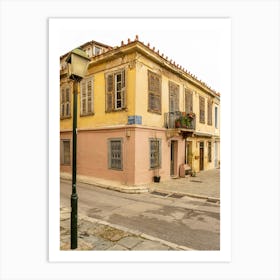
column 24, row 185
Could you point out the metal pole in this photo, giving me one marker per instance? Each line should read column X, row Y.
column 74, row 196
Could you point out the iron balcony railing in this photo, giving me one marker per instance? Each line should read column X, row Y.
column 179, row 120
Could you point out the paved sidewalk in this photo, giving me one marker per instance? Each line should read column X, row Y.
column 99, row 235
column 205, row 185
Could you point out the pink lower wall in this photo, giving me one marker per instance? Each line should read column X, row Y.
column 92, row 154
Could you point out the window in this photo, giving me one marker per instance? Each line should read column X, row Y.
column 154, row 93
column 216, row 117
column 189, row 152
column 88, row 51
column 209, row 112
column 155, row 153
column 97, row 50
column 201, row 109
column 65, row 152
column 173, row 97
column 115, row 154
column 188, row 101
column 209, row 152
column 87, row 97
column 115, row 91
column 65, row 102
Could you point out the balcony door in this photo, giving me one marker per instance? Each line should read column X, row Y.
column 173, row 97
column 173, row 102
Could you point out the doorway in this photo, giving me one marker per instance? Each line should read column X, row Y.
column 201, row 156
column 216, row 154
column 172, row 158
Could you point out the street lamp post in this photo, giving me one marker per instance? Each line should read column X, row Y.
column 77, row 66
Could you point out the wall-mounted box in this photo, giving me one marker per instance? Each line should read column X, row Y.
column 134, row 120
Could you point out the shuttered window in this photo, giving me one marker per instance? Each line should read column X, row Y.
column 201, row 109
column 216, row 117
column 155, row 153
column 65, row 156
column 87, row 97
column 154, row 93
column 65, row 102
column 209, row 112
column 115, row 154
column 188, row 101
column 173, row 97
column 115, row 91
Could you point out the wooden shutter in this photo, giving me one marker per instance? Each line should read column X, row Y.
column 109, row 92
column 83, row 98
column 188, row 101
column 89, row 96
column 154, row 92
column 209, row 112
column 62, row 100
column 201, row 109
column 67, row 102
column 173, row 97
column 123, row 92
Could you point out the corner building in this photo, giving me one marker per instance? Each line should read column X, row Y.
column 139, row 115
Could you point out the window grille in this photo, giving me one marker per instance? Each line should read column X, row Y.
column 115, row 154
column 155, row 153
column 65, row 156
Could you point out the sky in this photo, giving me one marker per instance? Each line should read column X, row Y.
column 201, row 46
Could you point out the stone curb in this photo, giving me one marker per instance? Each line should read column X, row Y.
column 120, row 188
column 142, row 189
column 208, row 198
column 137, row 233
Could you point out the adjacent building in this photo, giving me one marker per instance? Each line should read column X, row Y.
column 140, row 115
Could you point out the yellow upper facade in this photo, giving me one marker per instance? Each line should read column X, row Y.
column 135, row 82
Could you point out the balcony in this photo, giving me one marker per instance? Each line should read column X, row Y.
column 179, row 120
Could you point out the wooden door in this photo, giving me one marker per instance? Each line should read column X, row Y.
column 201, row 156
column 172, row 158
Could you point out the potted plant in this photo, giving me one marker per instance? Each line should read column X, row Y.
column 185, row 122
column 191, row 115
column 177, row 123
column 193, row 173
